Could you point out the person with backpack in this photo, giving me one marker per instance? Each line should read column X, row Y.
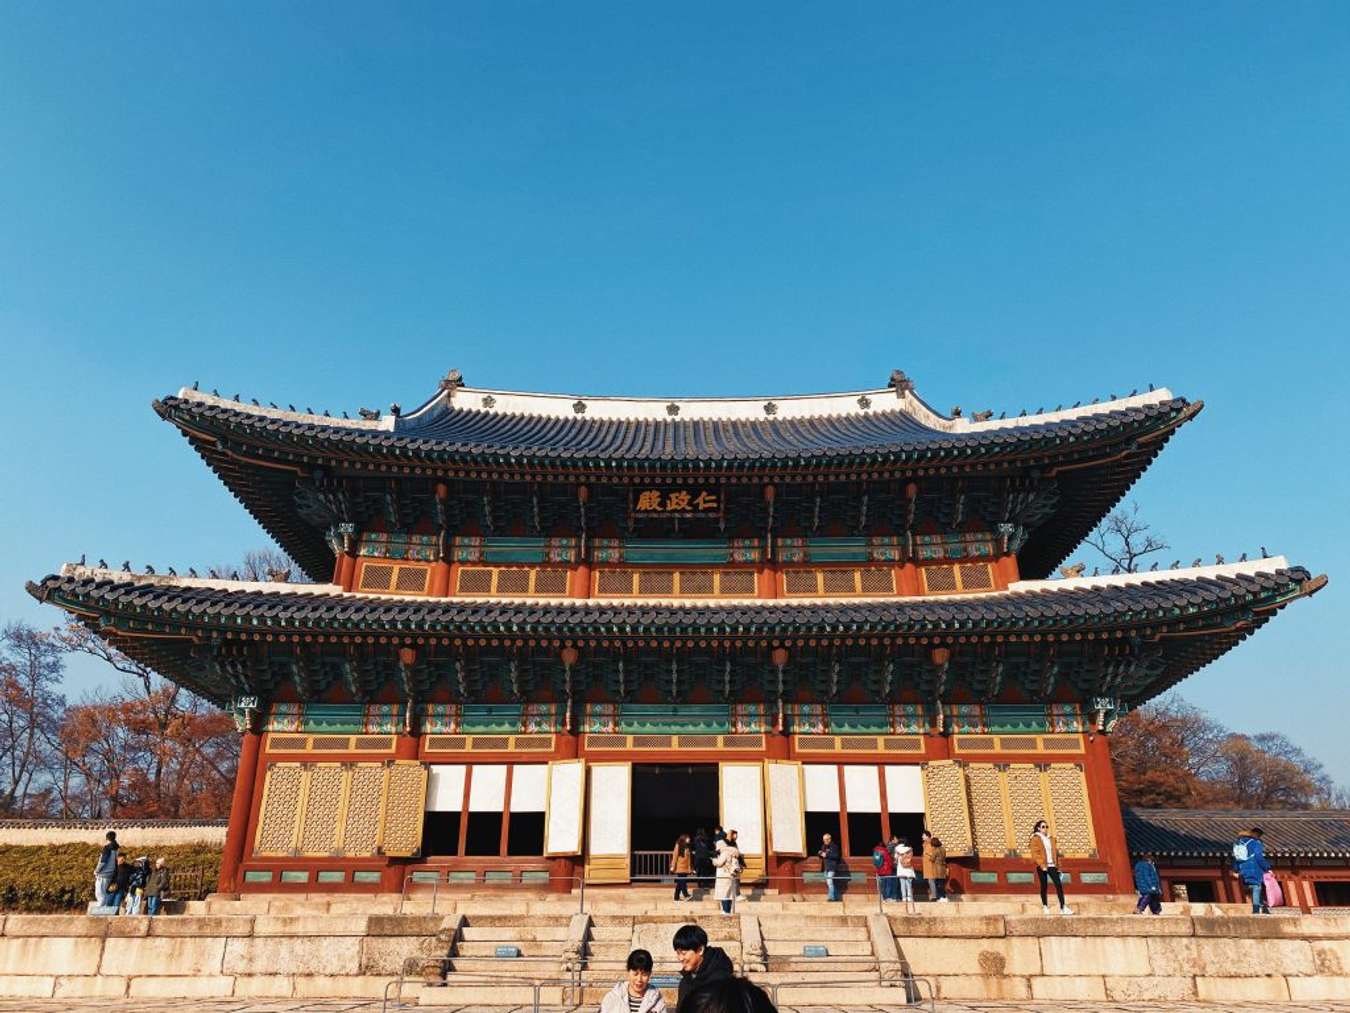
column 935, row 867
column 120, row 884
column 728, row 864
column 105, row 868
column 140, row 872
column 1249, row 861
column 883, row 863
column 1148, row 885
column 830, row 857
column 904, row 870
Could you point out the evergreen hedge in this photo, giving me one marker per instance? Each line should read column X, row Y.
column 60, row 877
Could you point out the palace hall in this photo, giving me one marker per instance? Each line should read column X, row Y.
column 538, row 636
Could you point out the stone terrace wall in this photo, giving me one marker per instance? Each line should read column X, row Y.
column 140, row 833
column 1129, row 957
column 273, row 956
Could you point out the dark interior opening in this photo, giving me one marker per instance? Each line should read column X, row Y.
column 440, row 834
column 1332, row 893
column 864, row 831
column 525, row 834
column 909, row 826
column 1201, row 891
column 669, row 800
column 485, row 834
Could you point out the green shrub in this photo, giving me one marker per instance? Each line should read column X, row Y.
column 60, row 877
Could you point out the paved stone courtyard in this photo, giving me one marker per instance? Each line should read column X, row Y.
column 373, row 1006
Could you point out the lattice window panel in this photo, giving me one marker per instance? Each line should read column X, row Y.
column 834, row 582
column 975, row 577
column 1026, row 802
column 404, row 807
column 947, row 805
column 1069, row 805
column 742, row 741
column 394, row 578
column 365, row 806
column 282, row 790
column 697, row 582
column 656, row 583
column 985, row 783
column 957, row 578
column 323, row 803
column 902, row 744
column 512, row 581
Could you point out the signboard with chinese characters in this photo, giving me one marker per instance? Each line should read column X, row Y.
column 676, row 501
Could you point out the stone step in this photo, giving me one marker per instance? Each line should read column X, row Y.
column 812, row 928
column 484, row 919
column 844, row 966
column 837, row 947
column 504, row 967
column 548, row 949
column 512, row 933
column 613, row 932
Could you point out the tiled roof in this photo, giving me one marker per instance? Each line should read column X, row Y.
column 171, row 621
column 1210, row 833
column 1040, row 607
column 443, row 432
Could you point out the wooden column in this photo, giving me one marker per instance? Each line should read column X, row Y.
column 241, row 805
column 1104, row 804
column 344, row 571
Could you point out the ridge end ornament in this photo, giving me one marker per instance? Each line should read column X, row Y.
column 900, row 382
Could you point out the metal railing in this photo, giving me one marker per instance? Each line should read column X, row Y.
column 576, row 983
column 459, row 886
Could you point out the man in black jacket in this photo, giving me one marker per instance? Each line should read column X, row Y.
column 829, row 864
column 699, row 962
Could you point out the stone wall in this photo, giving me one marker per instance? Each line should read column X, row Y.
column 1128, row 957
column 201, row 956
column 140, row 833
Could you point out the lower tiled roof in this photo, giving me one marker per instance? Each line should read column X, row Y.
column 1210, row 833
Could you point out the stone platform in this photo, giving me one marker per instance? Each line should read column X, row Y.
column 263, row 949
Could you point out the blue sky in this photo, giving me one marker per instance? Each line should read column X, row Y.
column 331, row 204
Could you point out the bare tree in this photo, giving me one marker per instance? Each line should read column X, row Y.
column 1125, row 539
column 266, row 564
column 31, row 667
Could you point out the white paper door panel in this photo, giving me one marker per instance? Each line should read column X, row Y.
column 445, row 788
column 487, row 788
column 904, row 788
column 562, row 824
column 743, row 805
column 529, row 783
column 609, row 804
column 822, row 787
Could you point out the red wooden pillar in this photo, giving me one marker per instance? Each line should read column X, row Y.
column 1104, row 804
column 241, row 805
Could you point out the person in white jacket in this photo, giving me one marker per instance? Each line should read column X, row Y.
column 635, row 994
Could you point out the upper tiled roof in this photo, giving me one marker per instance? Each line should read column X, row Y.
column 524, row 429
column 1210, row 833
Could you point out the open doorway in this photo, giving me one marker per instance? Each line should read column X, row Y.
column 669, row 800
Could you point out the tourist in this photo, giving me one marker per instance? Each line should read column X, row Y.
column 935, row 867
column 728, row 995
column 1249, row 859
column 703, row 852
column 883, row 861
column 120, row 884
column 1148, row 885
column 635, row 995
column 1045, row 853
column 718, row 835
column 156, row 886
column 700, row 964
column 904, row 870
column 681, row 864
column 105, row 868
column 829, row 863
column 728, row 875
column 140, row 872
